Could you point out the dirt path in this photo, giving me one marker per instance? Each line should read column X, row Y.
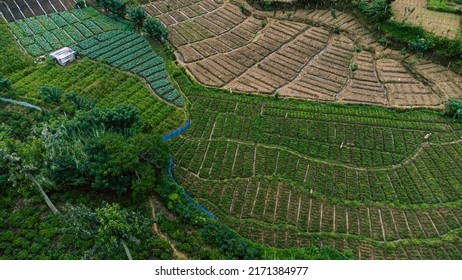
column 178, row 255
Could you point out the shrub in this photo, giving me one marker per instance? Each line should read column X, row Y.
column 50, row 95
column 333, row 13
column 453, row 109
column 244, row 10
column 80, row 4
column 354, row 68
column 5, row 83
column 420, row 45
column 337, row 29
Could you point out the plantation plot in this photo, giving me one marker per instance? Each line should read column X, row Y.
column 108, row 86
column 12, row 10
column 43, row 34
column 288, row 173
column 132, row 52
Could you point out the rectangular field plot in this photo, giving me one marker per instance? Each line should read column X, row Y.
column 45, row 33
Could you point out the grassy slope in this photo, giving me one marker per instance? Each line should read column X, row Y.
column 107, row 85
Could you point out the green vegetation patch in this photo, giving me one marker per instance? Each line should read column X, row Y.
column 44, row 34
column 444, row 6
column 130, row 51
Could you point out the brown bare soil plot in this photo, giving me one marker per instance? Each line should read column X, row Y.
column 221, row 47
column 403, row 89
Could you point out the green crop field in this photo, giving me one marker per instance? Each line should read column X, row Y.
column 43, row 34
column 383, row 183
column 131, row 52
column 103, row 83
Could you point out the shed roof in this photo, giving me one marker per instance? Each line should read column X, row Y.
column 62, row 53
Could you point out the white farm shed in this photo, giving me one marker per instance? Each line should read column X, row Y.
column 63, row 56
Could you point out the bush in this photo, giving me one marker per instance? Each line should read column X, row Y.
column 379, row 11
column 50, row 95
column 5, row 83
column 244, row 9
column 80, row 4
column 453, row 109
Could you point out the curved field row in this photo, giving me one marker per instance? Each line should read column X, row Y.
column 285, row 53
column 365, row 84
column 276, row 203
column 361, row 247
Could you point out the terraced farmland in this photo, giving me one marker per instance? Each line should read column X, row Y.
column 288, row 173
column 296, row 55
column 43, row 34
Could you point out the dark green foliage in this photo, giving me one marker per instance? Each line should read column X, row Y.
column 244, row 10
column 117, row 7
column 420, row 45
column 155, row 28
column 454, row 109
column 333, row 13
column 5, row 83
column 379, row 11
column 229, row 242
column 105, row 229
column 80, row 4
column 137, row 15
column 51, row 95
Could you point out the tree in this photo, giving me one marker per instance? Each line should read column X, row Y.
column 137, row 15
column 80, row 4
column 379, row 11
column 21, row 160
column 111, row 229
column 110, row 163
column 155, row 28
column 118, row 7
